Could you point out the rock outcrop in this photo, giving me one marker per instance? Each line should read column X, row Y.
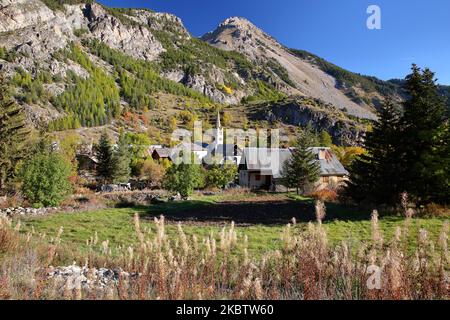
column 39, row 32
column 297, row 112
column 160, row 21
column 136, row 41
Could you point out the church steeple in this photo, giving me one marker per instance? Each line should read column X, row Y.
column 219, row 126
column 219, row 130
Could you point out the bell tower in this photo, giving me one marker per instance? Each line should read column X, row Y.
column 219, row 131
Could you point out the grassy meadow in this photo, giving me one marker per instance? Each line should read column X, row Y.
column 259, row 218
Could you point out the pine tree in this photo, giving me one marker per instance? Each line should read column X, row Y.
column 424, row 140
column 13, row 136
column 122, row 161
column 325, row 139
column 104, row 154
column 45, row 179
column 302, row 169
column 408, row 152
column 374, row 175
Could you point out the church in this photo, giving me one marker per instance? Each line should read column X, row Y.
column 220, row 152
column 217, row 152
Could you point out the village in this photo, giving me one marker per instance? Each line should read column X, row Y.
column 257, row 168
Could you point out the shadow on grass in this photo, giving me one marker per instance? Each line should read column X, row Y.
column 272, row 212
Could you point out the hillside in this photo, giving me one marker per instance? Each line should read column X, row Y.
column 76, row 64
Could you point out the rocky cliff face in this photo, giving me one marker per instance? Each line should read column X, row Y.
column 34, row 30
column 300, row 112
column 136, row 41
column 305, row 79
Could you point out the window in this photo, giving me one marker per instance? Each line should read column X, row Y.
column 258, row 177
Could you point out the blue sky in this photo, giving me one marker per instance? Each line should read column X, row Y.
column 412, row 30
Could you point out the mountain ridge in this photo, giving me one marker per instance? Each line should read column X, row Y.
column 74, row 63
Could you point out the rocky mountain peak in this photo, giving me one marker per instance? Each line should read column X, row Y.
column 297, row 76
column 237, row 33
column 238, row 22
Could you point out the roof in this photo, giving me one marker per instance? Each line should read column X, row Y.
column 196, row 146
column 271, row 161
column 226, row 150
column 93, row 158
column 329, row 163
column 163, row 153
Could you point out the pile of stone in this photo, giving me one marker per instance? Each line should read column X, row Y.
column 135, row 197
column 19, row 211
column 88, row 278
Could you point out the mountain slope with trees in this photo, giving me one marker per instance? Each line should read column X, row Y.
column 74, row 64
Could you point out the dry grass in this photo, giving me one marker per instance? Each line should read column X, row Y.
column 185, row 267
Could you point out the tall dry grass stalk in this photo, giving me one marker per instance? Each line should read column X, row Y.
column 219, row 266
column 320, row 211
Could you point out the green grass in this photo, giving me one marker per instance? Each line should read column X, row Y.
column 117, row 226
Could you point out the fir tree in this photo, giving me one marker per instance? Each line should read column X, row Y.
column 13, row 136
column 424, row 139
column 122, row 161
column 302, row 169
column 374, row 175
column 104, row 154
column 408, row 152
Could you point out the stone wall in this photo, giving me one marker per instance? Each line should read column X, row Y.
column 19, row 211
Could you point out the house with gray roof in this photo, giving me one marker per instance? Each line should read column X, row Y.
column 262, row 168
column 161, row 154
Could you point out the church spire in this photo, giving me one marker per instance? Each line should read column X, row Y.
column 219, row 126
column 219, row 131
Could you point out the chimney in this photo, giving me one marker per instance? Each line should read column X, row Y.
column 322, row 154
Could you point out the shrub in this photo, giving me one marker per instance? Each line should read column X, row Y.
column 326, row 195
column 152, row 172
column 80, row 32
column 184, row 178
column 45, row 179
column 434, row 210
column 219, row 176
